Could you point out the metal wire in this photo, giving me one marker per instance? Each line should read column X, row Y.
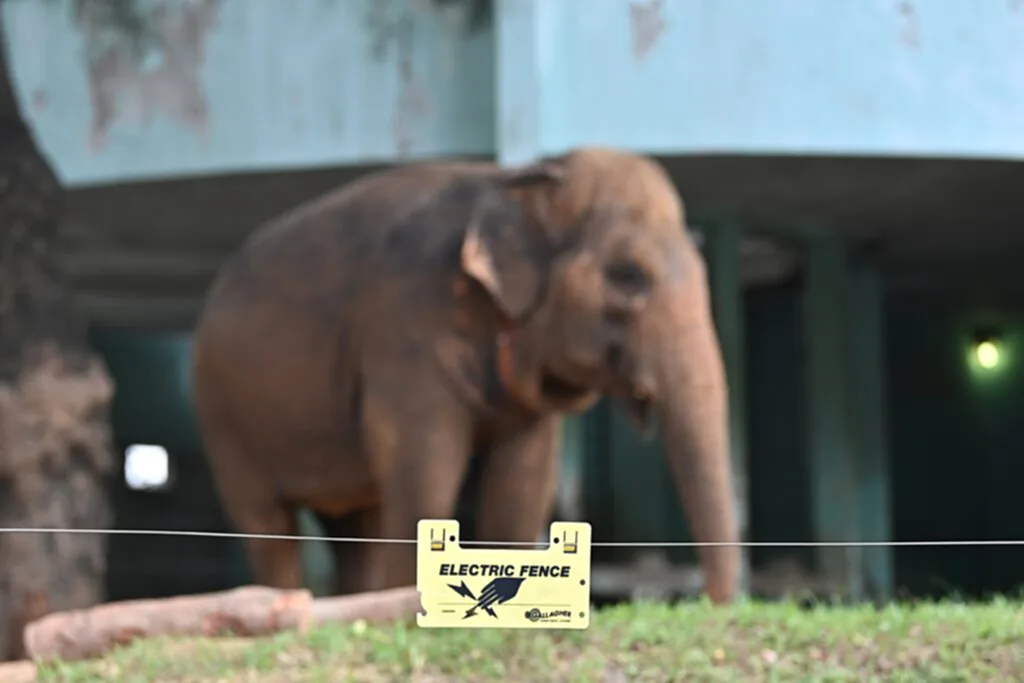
column 596, row 544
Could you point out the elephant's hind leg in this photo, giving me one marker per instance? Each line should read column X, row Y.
column 353, row 561
column 253, row 507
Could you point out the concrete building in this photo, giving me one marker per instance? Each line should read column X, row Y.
column 850, row 166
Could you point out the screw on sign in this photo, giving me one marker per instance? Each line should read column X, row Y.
column 503, row 588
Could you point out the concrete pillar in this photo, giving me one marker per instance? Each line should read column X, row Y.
column 723, row 256
column 528, row 80
column 868, row 394
column 528, row 90
column 832, row 448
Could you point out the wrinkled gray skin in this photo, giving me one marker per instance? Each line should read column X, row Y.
column 356, row 351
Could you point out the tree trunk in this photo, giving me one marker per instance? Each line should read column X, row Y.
column 54, row 398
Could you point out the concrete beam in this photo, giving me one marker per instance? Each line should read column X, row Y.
column 146, row 312
column 96, row 267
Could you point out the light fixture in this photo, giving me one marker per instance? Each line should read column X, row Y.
column 147, row 467
column 987, row 350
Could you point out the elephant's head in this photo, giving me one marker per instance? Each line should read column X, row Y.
column 625, row 312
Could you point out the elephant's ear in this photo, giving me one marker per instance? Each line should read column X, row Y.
column 505, row 251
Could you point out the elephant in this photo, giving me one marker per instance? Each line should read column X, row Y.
column 357, row 352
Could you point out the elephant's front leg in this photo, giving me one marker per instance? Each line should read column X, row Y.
column 421, row 457
column 519, row 483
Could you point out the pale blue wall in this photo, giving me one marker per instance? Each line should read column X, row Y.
column 284, row 84
column 935, row 77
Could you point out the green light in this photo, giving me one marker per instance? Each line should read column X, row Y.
column 987, row 354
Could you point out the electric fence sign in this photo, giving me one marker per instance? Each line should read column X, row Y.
column 504, row 587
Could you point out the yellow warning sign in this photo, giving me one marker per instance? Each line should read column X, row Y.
column 505, row 587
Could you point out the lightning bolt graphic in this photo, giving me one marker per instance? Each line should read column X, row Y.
column 463, row 590
column 472, row 610
column 498, row 591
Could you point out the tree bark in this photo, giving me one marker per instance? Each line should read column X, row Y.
column 54, row 400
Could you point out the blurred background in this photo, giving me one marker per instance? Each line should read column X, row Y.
column 851, row 169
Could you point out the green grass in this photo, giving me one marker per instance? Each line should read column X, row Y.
column 933, row 643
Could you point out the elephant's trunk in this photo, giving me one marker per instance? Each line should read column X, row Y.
column 692, row 397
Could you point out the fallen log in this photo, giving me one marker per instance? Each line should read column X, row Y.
column 21, row 671
column 373, row 608
column 245, row 611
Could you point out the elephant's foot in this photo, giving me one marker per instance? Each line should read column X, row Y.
column 276, row 563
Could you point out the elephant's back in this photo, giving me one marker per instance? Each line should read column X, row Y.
column 340, row 237
column 279, row 339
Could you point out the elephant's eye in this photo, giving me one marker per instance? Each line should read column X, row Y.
column 628, row 276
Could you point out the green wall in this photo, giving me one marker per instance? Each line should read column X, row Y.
column 956, row 448
column 152, row 405
column 955, row 436
column 958, row 440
